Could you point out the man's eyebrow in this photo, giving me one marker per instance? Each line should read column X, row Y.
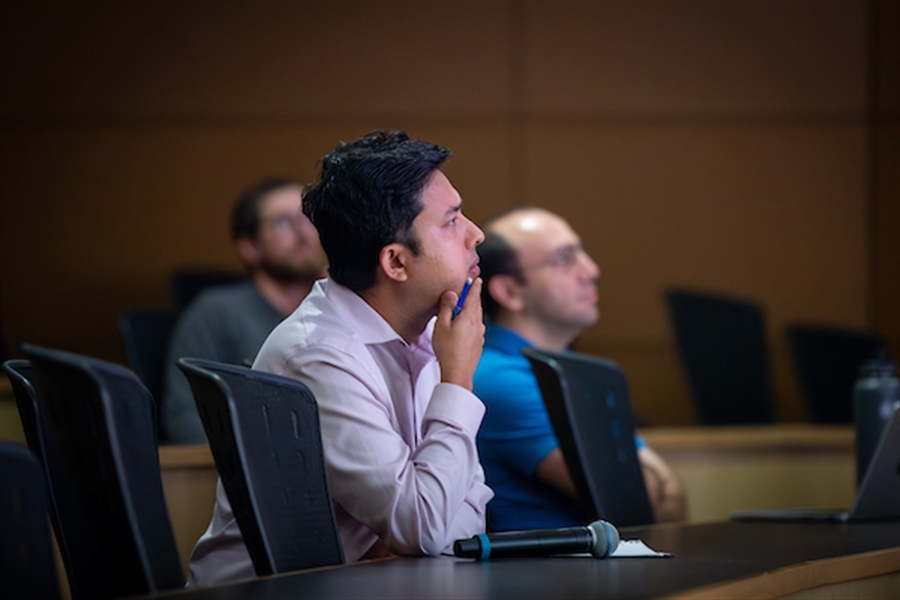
column 453, row 210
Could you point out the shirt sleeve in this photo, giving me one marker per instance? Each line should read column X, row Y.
column 220, row 555
column 417, row 500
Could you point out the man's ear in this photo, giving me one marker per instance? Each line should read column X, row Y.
column 393, row 260
column 506, row 292
column 248, row 251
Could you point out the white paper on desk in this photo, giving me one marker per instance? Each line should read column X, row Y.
column 636, row 548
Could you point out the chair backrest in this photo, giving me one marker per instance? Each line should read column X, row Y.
column 64, row 507
column 22, row 376
column 187, row 283
column 104, row 421
column 826, row 362
column 146, row 334
column 722, row 345
column 589, row 407
column 263, row 430
column 27, row 563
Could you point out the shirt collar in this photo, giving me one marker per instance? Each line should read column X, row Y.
column 505, row 340
column 366, row 321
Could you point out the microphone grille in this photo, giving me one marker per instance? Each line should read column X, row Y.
column 606, row 537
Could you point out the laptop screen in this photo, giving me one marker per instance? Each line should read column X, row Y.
column 879, row 493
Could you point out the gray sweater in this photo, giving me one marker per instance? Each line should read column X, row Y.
column 227, row 324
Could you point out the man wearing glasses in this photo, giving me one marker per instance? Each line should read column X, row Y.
column 280, row 250
column 539, row 291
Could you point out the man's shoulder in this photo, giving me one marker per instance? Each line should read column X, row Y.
column 224, row 323
column 499, row 361
column 504, row 379
column 500, row 375
column 235, row 307
column 316, row 324
column 226, row 295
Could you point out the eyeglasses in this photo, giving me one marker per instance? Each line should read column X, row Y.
column 284, row 222
column 565, row 258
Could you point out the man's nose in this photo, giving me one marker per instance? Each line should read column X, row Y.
column 477, row 234
column 592, row 269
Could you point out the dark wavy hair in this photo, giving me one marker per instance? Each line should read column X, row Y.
column 366, row 196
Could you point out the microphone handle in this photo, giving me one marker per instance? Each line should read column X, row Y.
column 540, row 542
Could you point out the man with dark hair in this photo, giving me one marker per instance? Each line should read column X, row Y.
column 540, row 291
column 390, row 367
column 280, row 250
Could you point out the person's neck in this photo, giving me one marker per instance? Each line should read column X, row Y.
column 538, row 334
column 284, row 296
column 407, row 320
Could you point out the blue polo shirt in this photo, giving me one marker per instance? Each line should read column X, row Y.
column 515, row 436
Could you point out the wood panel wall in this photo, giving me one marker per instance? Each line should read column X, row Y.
column 748, row 147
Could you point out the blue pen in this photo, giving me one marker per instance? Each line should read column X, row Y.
column 462, row 297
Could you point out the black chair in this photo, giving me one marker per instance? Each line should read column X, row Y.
column 64, row 506
column 146, row 334
column 22, row 376
column 589, row 407
column 826, row 362
column 187, row 283
column 263, row 430
column 27, row 563
column 721, row 342
column 105, row 424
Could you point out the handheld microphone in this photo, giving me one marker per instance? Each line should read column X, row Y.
column 599, row 538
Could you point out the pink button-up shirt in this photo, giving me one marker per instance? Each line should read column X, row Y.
column 399, row 445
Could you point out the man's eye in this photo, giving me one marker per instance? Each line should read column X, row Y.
column 568, row 257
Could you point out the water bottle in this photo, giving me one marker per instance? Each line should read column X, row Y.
column 875, row 395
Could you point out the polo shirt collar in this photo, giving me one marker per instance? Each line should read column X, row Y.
column 505, row 340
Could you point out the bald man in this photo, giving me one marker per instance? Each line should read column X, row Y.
column 539, row 291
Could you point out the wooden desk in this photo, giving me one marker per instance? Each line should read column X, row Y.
column 724, row 469
column 10, row 424
column 189, row 483
column 718, row 560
